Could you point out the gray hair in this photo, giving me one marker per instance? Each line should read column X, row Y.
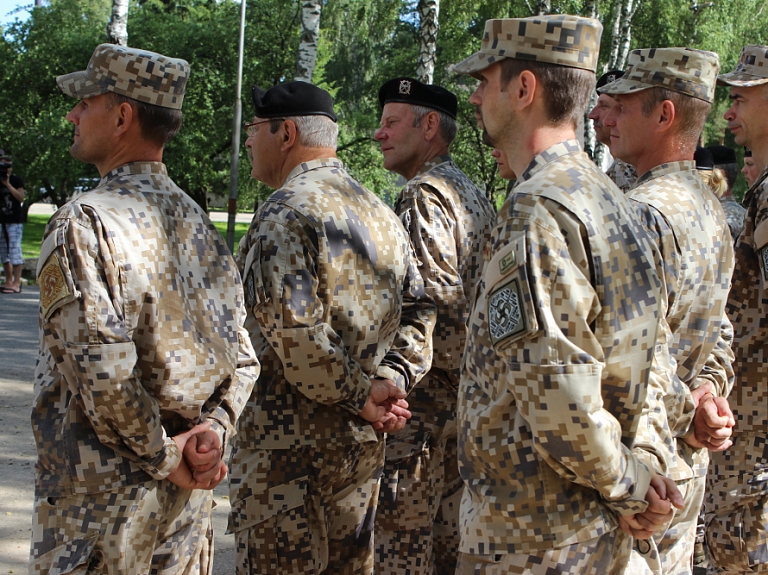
column 448, row 126
column 315, row 131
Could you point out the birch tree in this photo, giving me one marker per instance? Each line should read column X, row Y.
column 117, row 28
column 310, row 34
column 428, row 26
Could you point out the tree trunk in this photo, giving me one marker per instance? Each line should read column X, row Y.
column 117, row 29
column 429, row 11
column 539, row 7
column 310, row 34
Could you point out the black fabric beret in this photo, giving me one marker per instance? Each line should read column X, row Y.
column 292, row 99
column 703, row 158
column 410, row 91
column 608, row 77
column 747, row 152
column 722, row 154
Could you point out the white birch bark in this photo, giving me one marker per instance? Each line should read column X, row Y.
column 310, row 34
column 117, row 28
column 429, row 11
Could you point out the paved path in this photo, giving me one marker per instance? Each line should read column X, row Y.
column 18, row 353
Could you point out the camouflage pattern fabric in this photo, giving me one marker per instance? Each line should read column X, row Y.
column 734, row 215
column 737, row 484
column 139, row 74
column 695, row 258
column 592, row 557
column 141, row 335
column 751, row 70
column 308, row 510
column 334, row 298
column 559, row 39
column 556, row 366
column 449, row 221
column 155, row 528
column 622, row 174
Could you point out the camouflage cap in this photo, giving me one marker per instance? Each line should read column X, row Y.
column 684, row 70
column 139, row 74
column 752, row 69
column 559, row 39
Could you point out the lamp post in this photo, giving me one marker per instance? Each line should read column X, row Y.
column 236, row 127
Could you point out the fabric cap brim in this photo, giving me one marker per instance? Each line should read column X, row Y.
column 78, row 85
column 476, row 62
column 740, row 79
column 624, row 86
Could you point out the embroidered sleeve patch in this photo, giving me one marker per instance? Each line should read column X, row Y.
column 506, row 312
column 764, row 263
column 53, row 284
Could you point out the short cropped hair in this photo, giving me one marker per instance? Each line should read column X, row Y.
column 157, row 124
column 315, row 131
column 566, row 90
column 691, row 111
column 448, row 126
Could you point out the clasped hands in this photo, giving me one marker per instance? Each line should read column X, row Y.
column 201, row 465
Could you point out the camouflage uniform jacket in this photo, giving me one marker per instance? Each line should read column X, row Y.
column 450, row 222
column 695, row 262
column 559, row 352
column 734, row 213
column 141, row 334
column 622, row 174
column 334, row 298
column 742, row 470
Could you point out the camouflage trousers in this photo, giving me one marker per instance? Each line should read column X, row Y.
column 670, row 552
column 154, row 528
column 604, row 555
column 307, row 510
column 417, row 522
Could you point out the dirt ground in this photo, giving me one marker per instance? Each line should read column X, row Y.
column 18, row 353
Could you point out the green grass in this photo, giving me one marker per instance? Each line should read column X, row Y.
column 35, row 227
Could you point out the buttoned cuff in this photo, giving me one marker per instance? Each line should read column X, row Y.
column 165, row 462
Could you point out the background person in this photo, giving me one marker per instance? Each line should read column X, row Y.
column 11, row 224
column 750, row 170
column 724, row 158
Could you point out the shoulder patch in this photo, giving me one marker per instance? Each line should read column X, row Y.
column 53, row 284
column 764, row 262
column 506, row 312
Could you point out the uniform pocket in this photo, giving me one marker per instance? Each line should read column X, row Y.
column 75, row 557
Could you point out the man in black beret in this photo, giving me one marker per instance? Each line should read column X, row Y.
column 449, row 220
column 749, row 170
column 622, row 174
column 724, row 158
column 338, row 315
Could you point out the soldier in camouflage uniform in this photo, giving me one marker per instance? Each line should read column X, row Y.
column 142, row 346
column 736, row 503
column 562, row 337
column 662, row 103
column 449, row 220
column 724, row 159
column 342, row 325
column 621, row 173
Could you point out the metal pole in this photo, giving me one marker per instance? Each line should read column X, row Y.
column 232, row 206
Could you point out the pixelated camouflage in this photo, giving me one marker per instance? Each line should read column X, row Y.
column 736, row 503
column 734, row 214
column 139, row 74
column 751, row 70
column 146, row 340
column 622, row 174
column 684, row 70
column 560, row 39
column 556, row 367
column 695, row 258
column 449, row 221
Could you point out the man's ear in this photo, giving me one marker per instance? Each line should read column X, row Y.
column 430, row 125
column 525, row 89
column 665, row 115
column 288, row 135
column 124, row 118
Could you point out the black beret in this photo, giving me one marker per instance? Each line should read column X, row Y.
column 608, row 77
column 722, row 155
column 292, row 99
column 410, row 91
column 747, row 152
column 703, row 158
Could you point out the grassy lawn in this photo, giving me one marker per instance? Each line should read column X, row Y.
column 35, row 227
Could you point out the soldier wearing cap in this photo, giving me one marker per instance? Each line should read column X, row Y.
column 622, row 174
column 342, row 326
column 663, row 101
column 724, row 159
column 736, row 503
column 561, row 340
column 449, row 221
column 144, row 363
